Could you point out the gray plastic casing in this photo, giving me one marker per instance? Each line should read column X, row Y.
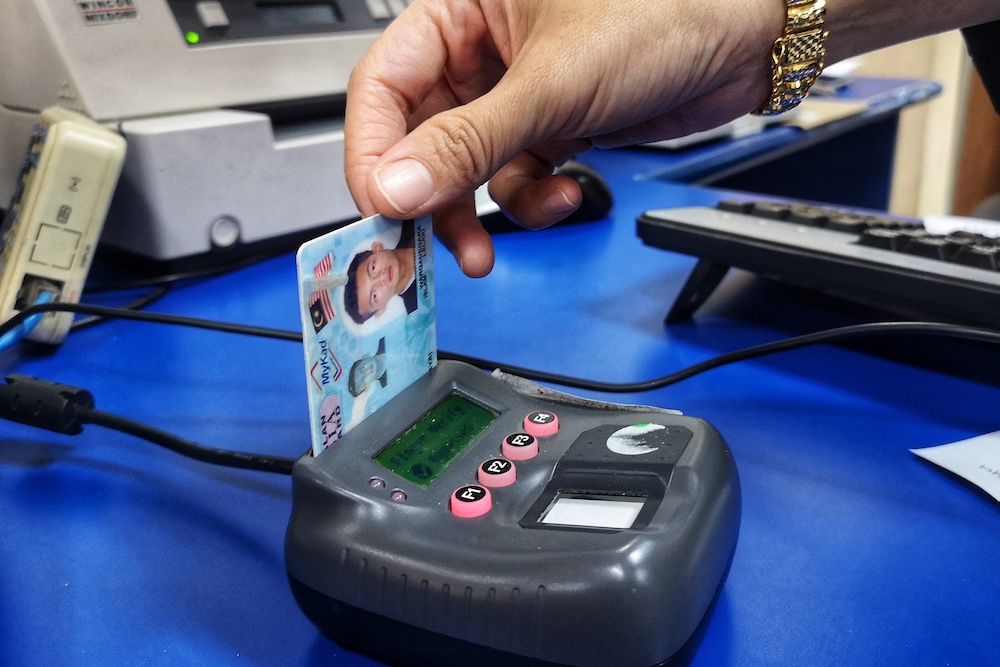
column 503, row 581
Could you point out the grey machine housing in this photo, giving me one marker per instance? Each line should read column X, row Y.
column 234, row 139
column 410, row 583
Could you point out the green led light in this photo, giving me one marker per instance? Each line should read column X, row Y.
column 192, row 37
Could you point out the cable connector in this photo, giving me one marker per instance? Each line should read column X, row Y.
column 44, row 404
column 65, row 409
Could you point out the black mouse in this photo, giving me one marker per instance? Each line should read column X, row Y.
column 597, row 197
column 596, row 204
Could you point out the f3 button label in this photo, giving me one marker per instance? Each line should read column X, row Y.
column 519, row 447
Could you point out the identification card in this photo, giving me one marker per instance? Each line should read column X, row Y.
column 368, row 323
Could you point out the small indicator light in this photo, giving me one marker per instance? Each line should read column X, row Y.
column 192, row 37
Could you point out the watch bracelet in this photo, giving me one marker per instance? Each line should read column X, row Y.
column 797, row 57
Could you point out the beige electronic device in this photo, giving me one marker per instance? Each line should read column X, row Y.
column 232, row 110
column 55, row 216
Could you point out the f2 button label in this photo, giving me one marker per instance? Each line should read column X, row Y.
column 496, row 473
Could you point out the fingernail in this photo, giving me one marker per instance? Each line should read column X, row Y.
column 406, row 184
column 557, row 202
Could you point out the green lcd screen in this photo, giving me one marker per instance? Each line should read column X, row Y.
column 424, row 450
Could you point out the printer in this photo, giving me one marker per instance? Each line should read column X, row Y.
column 232, row 111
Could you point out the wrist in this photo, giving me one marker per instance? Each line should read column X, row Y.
column 860, row 26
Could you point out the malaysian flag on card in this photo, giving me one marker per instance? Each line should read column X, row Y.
column 320, row 307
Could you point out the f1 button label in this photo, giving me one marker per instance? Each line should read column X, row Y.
column 471, row 501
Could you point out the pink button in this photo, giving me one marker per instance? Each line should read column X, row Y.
column 519, row 447
column 496, row 473
column 541, row 423
column 471, row 501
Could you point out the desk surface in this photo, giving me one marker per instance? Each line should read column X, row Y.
column 851, row 551
column 712, row 160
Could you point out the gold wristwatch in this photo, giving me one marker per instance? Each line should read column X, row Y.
column 797, row 56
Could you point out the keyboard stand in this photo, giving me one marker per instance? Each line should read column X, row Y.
column 704, row 278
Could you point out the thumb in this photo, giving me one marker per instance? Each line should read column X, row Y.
column 452, row 153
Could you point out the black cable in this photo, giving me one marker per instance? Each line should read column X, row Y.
column 68, row 419
column 144, row 316
column 224, row 457
column 796, row 342
column 161, row 285
column 172, row 278
column 63, row 408
column 81, row 411
column 139, row 302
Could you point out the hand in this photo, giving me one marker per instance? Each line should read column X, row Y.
column 458, row 92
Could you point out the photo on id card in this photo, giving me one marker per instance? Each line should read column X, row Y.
column 368, row 323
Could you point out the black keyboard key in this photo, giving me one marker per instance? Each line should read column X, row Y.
column 956, row 243
column 771, row 210
column 911, row 233
column 888, row 223
column 881, row 237
column 848, row 222
column 814, row 216
column 735, row 205
column 933, row 247
column 971, row 237
column 980, row 255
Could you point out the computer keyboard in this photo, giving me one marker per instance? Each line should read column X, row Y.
column 889, row 261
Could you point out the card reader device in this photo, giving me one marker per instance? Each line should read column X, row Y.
column 475, row 519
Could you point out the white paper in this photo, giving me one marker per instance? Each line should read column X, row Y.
column 976, row 459
column 946, row 224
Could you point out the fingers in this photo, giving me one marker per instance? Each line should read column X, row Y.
column 396, row 84
column 434, row 57
column 458, row 228
column 530, row 195
column 452, row 153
